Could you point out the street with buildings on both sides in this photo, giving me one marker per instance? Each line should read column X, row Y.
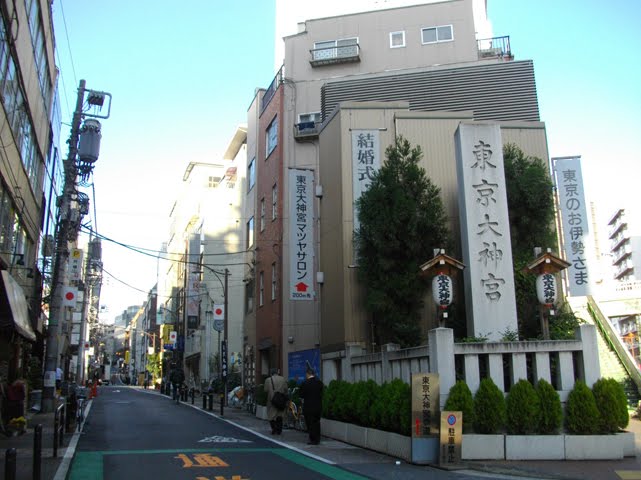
column 276, row 299
column 131, row 432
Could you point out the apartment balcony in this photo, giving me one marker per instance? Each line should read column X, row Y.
column 271, row 90
column 335, row 55
column 623, row 272
column 306, row 131
column 621, row 255
column 619, row 242
column 618, row 227
column 496, row 47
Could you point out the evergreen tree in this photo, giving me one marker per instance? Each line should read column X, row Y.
column 402, row 219
column 531, row 212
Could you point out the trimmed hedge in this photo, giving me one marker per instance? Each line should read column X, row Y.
column 523, row 409
column 460, row 399
column 582, row 416
column 612, row 404
column 489, row 408
column 551, row 418
column 386, row 407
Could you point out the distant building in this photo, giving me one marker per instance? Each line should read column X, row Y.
column 625, row 248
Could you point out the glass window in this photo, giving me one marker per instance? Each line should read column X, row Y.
column 251, row 174
column 250, row 232
column 249, row 296
column 272, row 136
column 273, row 281
column 274, row 202
column 261, row 290
column 262, row 214
column 397, row 39
column 443, row 33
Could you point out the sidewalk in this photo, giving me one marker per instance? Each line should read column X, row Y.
column 24, row 448
column 365, row 462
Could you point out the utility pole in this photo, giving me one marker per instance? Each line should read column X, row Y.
column 67, row 230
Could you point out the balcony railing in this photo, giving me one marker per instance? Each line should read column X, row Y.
column 496, row 47
column 334, row 55
column 306, row 130
column 271, row 90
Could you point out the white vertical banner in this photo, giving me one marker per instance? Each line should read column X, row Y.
column 485, row 231
column 75, row 264
column 366, row 160
column 575, row 223
column 301, row 234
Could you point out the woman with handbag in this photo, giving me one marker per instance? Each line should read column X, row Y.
column 276, row 388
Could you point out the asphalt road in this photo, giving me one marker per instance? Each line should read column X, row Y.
column 128, row 435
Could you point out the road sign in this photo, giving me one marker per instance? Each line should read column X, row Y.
column 219, row 325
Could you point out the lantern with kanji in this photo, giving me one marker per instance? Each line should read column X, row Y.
column 442, row 268
column 546, row 291
column 546, row 266
column 442, row 290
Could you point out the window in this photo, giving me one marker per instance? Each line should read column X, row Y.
column 250, row 232
column 443, row 33
column 261, row 290
column 397, row 39
column 272, row 136
column 274, row 201
column 347, row 47
column 249, row 296
column 273, row 281
column 212, row 182
column 311, row 117
column 251, row 174
column 262, row 214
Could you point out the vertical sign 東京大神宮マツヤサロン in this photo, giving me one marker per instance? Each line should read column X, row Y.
column 301, row 236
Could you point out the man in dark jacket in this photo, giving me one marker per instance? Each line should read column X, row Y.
column 177, row 377
column 311, row 391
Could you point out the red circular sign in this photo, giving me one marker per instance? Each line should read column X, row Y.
column 218, row 311
column 69, row 295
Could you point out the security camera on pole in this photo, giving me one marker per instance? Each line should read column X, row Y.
column 84, row 145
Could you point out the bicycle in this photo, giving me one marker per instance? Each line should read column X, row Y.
column 294, row 414
column 80, row 408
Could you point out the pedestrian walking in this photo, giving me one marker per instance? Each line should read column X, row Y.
column 276, row 388
column 311, row 391
column 177, row 377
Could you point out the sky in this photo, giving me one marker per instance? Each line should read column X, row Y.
column 183, row 74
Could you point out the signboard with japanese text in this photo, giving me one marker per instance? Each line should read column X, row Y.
column 451, row 438
column 366, row 160
column 301, row 236
column 75, row 264
column 485, row 231
column 425, row 404
column 575, row 223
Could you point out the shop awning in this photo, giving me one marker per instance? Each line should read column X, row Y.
column 13, row 307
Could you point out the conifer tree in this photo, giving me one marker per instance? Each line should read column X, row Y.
column 401, row 220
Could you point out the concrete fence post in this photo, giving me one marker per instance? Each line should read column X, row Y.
column 441, row 348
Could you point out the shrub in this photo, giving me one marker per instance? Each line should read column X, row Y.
column 398, row 407
column 365, row 393
column 612, row 404
column 523, row 409
column 343, row 408
column 377, row 411
column 551, row 417
column 582, row 416
column 489, row 408
column 330, row 403
column 460, row 399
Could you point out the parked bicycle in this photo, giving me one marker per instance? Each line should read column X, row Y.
column 294, row 413
column 81, row 402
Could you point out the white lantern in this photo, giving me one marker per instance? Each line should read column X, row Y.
column 442, row 290
column 546, row 290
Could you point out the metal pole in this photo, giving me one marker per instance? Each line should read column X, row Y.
column 80, row 369
column 226, row 317
column 37, row 452
column 10, row 464
column 56, row 310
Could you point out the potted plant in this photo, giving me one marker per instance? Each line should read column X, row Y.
column 17, row 425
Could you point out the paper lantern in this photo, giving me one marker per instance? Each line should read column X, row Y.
column 442, row 290
column 546, row 290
